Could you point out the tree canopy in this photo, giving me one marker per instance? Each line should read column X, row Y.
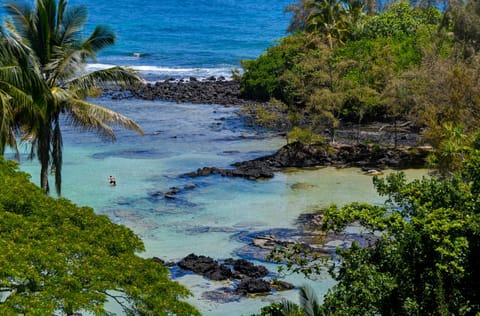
column 60, row 258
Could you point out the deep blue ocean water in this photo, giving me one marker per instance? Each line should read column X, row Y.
column 181, row 38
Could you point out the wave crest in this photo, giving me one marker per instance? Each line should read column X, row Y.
column 156, row 73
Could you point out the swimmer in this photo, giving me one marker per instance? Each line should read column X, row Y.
column 112, row 181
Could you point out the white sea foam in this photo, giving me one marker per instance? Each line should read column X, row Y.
column 154, row 73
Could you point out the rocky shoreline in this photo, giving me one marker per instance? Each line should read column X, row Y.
column 209, row 91
column 371, row 158
column 247, row 278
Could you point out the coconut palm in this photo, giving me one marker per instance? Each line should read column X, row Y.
column 309, row 305
column 20, row 84
column 334, row 19
column 327, row 17
column 52, row 31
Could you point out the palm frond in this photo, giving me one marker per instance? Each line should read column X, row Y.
column 95, row 118
column 309, row 301
column 18, row 96
column 64, row 64
column 105, row 77
column 6, row 119
column 43, row 27
column 20, row 14
column 100, row 38
column 61, row 7
column 12, row 75
column 289, row 308
column 72, row 22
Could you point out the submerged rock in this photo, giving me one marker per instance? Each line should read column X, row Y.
column 253, row 286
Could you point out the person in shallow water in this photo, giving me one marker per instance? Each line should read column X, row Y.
column 112, row 180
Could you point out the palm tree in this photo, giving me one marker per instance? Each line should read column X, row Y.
column 20, row 84
column 53, row 34
column 335, row 19
column 327, row 18
column 309, row 305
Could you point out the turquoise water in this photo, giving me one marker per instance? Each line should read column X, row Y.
column 210, row 218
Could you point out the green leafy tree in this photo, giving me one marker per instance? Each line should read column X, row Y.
column 60, row 258
column 463, row 18
column 400, row 19
column 52, row 33
column 419, row 254
column 261, row 78
column 447, row 93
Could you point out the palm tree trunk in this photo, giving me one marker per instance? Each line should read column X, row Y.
column 57, row 155
column 371, row 7
column 43, row 154
column 44, row 178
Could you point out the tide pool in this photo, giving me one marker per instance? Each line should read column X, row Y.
column 209, row 214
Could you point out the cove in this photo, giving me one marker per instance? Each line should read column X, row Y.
column 210, row 216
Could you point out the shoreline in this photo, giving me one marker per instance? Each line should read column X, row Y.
column 211, row 90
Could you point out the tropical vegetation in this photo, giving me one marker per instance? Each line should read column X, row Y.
column 44, row 80
column 58, row 258
column 344, row 61
column 408, row 63
column 354, row 63
column 420, row 252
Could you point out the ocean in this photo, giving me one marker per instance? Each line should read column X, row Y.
column 181, row 38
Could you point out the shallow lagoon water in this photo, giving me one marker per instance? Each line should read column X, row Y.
column 209, row 213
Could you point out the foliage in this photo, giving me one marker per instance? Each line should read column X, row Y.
column 443, row 96
column 18, row 83
column 464, row 21
column 400, row 20
column 304, row 136
column 260, row 80
column 422, row 257
column 57, row 257
column 334, row 20
column 411, row 62
column 309, row 305
column 324, row 84
column 270, row 114
column 50, row 34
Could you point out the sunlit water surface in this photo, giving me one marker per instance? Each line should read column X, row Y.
column 208, row 219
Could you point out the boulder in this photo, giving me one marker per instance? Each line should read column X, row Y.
column 253, row 286
column 205, row 266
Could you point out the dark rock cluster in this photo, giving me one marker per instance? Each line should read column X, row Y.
column 172, row 192
column 210, row 91
column 300, row 155
column 249, row 275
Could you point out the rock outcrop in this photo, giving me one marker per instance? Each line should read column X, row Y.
column 249, row 275
column 210, row 91
column 368, row 157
